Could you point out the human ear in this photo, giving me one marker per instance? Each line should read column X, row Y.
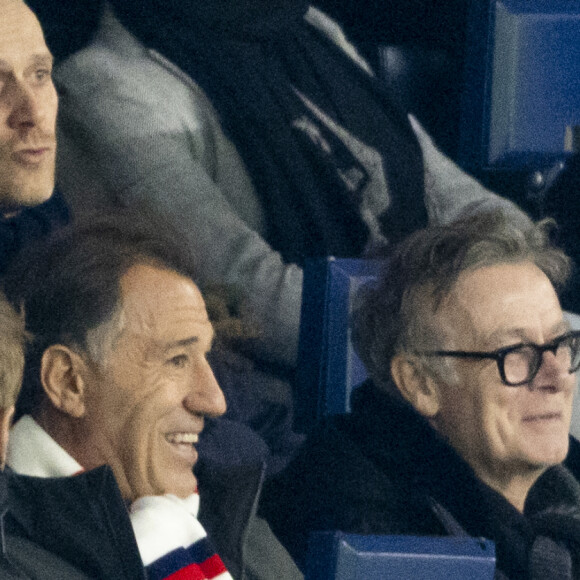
column 416, row 385
column 62, row 375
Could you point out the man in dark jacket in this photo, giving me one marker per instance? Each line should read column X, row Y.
column 45, row 531
column 118, row 375
column 464, row 425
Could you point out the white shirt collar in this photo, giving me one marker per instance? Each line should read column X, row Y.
column 32, row 451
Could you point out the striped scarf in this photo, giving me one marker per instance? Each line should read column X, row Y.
column 172, row 543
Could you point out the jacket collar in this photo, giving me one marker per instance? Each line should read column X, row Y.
column 32, row 451
column 229, row 500
column 81, row 519
column 394, row 435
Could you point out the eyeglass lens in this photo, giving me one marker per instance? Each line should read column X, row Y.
column 521, row 364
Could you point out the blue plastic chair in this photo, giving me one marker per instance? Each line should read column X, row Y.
column 339, row 556
column 328, row 367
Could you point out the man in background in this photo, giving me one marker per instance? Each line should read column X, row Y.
column 28, row 110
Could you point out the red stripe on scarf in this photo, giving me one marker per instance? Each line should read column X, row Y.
column 207, row 570
column 213, row 566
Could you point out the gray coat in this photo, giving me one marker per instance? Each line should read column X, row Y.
column 134, row 129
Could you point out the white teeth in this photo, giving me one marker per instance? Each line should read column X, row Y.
column 189, row 438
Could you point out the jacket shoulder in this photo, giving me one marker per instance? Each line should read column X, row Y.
column 116, row 76
column 27, row 560
column 81, row 519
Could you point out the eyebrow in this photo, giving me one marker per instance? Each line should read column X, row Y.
column 38, row 59
column 45, row 58
column 520, row 333
column 182, row 342
column 186, row 342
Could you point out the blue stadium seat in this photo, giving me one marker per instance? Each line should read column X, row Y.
column 328, row 367
column 339, row 556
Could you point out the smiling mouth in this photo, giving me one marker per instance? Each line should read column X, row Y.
column 182, row 438
column 182, row 444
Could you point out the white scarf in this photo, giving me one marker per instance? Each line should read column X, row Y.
column 169, row 535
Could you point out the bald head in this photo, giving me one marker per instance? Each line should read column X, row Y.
column 28, row 108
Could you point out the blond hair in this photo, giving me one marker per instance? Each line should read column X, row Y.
column 12, row 347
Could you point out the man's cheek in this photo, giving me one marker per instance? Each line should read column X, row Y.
column 140, row 449
column 141, row 440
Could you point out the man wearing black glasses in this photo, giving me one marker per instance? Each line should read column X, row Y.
column 464, row 425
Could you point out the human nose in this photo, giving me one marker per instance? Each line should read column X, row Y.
column 553, row 372
column 27, row 107
column 205, row 397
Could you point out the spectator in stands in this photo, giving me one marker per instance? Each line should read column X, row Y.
column 118, row 375
column 463, row 427
column 40, row 540
column 258, row 130
column 36, row 537
column 28, row 108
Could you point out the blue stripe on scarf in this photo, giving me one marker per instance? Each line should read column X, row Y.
column 197, row 553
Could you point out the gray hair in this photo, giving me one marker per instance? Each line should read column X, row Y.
column 70, row 284
column 396, row 313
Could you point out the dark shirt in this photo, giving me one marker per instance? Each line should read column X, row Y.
column 30, row 224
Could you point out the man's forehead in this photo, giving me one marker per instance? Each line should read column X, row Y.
column 21, row 35
column 151, row 280
column 501, row 303
column 153, row 296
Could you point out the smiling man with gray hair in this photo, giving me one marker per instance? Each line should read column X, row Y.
column 118, row 375
column 464, row 425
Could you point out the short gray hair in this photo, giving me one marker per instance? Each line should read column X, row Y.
column 393, row 314
column 70, row 284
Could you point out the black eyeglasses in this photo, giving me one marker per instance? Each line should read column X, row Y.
column 520, row 363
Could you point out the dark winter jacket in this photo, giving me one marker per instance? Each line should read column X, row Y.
column 384, row 470
column 66, row 528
